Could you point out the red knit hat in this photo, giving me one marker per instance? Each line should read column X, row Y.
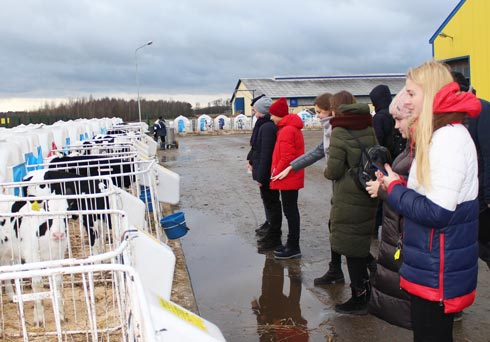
column 279, row 108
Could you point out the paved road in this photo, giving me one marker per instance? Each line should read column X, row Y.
column 223, row 207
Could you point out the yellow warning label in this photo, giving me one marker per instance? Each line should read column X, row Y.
column 181, row 313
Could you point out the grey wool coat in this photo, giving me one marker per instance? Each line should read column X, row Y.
column 353, row 211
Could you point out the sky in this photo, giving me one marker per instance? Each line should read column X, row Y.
column 56, row 50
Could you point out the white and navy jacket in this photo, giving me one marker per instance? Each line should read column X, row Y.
column 440, row 249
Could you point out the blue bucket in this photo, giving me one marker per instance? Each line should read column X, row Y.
column 146, row 198
column 174, row 225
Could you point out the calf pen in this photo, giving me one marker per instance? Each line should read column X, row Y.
column 100, row 302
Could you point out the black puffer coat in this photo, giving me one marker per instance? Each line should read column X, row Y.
column 383, row 122
column 388, row 301
column 261, row 154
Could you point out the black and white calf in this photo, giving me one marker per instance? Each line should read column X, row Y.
column 88, row 199
column 32, row 232
column 121, row 170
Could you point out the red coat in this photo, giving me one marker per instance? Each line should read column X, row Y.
column 290, row 144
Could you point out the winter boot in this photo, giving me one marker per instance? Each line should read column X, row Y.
column 288, row 253
column 263, row 229
column 334, row 275
column 279, row 249
column 357, row 304
column 269, row 241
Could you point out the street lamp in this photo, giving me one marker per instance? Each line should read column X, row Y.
column 137, row 78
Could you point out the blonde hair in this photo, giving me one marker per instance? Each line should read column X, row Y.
column 431, row 77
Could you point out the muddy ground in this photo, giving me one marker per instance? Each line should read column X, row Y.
column 250, row 296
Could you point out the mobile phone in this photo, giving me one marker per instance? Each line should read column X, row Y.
column 380, row 167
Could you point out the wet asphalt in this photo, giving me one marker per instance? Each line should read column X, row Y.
column 251, row 296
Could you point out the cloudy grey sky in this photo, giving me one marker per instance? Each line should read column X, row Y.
column 53, row 50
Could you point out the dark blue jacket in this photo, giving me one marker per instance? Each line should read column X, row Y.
column 261, row 156
column 159, row 128
column 440, row 249
column 440, row 234
column 479, row 128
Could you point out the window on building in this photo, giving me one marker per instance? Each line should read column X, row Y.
column 461, row 65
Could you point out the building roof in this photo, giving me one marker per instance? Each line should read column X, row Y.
column 450, row 16
column 312, row 86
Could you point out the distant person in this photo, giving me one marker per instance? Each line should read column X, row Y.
column 384, row 126
column 387, row 300
column 289, row 145
column 263, row 140
column 439, row 203
column 160, row 131
column 479, row 129
column 383, row 122
column 264, row 227
column 353, row 210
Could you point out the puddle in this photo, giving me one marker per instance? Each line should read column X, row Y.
column 250, row 296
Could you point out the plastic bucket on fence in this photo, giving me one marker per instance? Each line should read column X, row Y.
column 146, row 197
column 174, row 225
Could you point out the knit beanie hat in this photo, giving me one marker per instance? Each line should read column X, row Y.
column 279, row 108
column 262, row 105
column 255, row 99
column 397, row 106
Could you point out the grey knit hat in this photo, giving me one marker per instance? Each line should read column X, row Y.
column 263, row 104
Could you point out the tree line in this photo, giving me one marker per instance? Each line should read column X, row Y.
column 112, row 107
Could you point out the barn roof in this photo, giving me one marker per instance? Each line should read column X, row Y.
column 312, row 86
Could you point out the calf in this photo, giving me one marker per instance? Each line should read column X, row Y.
column 120, row 170
column 73, row 184
column 9, row 242
column 44, row 238
column 35, row 238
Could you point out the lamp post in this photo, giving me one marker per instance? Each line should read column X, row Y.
column 137, row 78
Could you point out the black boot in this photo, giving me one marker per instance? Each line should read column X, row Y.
column 357, row 304
column 269, row 242
column 288, row 253
column 263, row 229
column 334, row 275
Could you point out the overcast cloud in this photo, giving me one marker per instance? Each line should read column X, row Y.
column 59, row 49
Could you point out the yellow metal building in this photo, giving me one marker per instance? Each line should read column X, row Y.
column 463, row 40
